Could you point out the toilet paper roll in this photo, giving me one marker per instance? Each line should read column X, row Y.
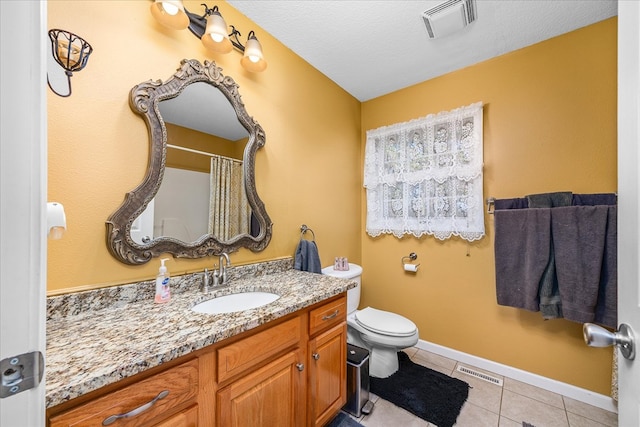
column 411, row 267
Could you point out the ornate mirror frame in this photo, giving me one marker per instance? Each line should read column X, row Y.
column 144, row 99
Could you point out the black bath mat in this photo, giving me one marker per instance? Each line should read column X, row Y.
column 426, row 393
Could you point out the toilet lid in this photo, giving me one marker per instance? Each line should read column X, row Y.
column 385, row 323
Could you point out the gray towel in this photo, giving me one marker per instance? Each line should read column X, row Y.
column 579, row 236
column 550, row 200
column 522, row 243
column 594, row 199
column 515, row 203
column 307, row 258
column 550, row 302
column 607, row 306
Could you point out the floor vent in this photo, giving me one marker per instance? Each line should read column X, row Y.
column 481, row 375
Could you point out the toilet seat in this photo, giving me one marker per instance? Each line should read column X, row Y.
column 385, row 323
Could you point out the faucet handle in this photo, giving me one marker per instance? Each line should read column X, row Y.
column 205, row 280
column 216, row 277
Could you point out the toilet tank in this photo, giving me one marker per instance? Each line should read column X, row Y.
column 354, row 273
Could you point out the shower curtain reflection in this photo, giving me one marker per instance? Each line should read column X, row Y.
column 230, row 214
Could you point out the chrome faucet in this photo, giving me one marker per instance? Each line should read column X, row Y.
column 222, row 278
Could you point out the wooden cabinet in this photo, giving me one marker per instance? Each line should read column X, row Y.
column 151, row 401
column 240, row 356
column 259, row 394
column 186, row 418
column 268, row 396
column 291, row 372
column 327, row 386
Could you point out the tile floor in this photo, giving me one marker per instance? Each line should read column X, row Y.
column 492, row 405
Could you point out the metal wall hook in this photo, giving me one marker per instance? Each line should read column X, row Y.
column 597, row 336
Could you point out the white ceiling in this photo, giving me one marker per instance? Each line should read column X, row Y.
column 372, row 48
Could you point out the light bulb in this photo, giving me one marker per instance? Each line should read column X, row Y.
column 215, row 36
column 170, row 13
column 171, row 9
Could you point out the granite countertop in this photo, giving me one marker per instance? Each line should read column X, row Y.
column 92, row 342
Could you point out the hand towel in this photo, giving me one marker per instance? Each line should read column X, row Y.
column 522, row 243
column 306, row 257
column 579, row 235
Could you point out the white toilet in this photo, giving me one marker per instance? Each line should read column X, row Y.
column 381, row 332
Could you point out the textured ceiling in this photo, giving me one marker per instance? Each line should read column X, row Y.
column 371, row 48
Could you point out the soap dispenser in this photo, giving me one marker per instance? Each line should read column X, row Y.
column 163, row 293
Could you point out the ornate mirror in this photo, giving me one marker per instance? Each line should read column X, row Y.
column 198, row 197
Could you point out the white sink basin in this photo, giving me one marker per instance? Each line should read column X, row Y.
column 235, row 302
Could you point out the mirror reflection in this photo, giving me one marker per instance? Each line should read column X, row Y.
column 198, row 197
column 205, row 147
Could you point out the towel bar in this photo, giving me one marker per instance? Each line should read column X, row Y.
column 304, row 229
column 490, row 202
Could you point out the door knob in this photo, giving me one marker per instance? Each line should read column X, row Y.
column 597, row 336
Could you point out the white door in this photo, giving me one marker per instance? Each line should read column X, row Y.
column 23, row 174
column 142, row 228
column 629, row 204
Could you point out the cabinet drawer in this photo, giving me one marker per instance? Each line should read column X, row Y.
column 186, row 418
column 327, row 315
column 181, row 383
column 248, row 352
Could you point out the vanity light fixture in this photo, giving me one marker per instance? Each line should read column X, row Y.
column 70, row 51
column 211, row 29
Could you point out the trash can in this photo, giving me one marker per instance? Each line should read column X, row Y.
column 357, row 381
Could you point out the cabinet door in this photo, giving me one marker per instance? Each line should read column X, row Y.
column 270, row 396
column 327, row 374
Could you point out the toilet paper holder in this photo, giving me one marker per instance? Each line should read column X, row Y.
column 412, row 256
column 408, row 266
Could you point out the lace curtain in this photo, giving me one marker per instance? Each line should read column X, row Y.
column 425, row 176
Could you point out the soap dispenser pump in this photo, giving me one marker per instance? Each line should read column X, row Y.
column 163, row 293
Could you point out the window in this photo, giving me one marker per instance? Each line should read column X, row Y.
column 424, row 176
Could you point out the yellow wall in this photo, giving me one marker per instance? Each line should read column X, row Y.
column 549, row 125
column 98, row 148
column 195, row 140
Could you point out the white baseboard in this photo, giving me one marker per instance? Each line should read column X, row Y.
column 564, row 389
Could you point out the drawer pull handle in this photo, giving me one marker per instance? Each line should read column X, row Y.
column 331, row 316
column 113, row 418
column 316, row 356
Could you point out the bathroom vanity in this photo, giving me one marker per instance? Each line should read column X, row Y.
column 140, row 363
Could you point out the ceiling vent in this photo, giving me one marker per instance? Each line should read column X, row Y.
column 449, row 17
